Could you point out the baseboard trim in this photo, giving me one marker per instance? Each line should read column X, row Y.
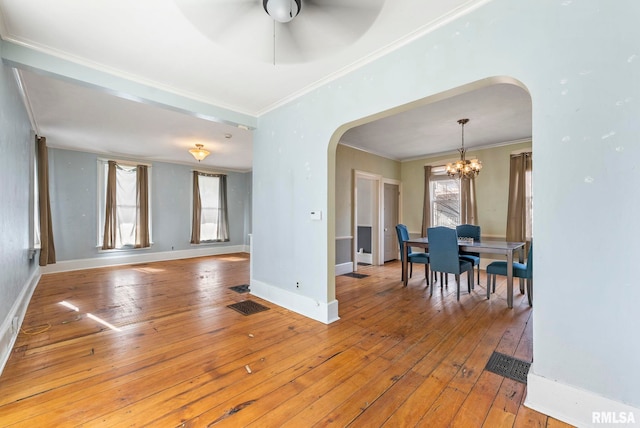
column 343, row 268
column 364, row 258
column 573, row 405
column 140, row 257
column 9, row 334
column 325, row 312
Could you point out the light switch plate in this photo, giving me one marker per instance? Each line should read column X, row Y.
column 316, row 215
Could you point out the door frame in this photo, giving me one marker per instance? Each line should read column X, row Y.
column 399, row 213
column 376, row 228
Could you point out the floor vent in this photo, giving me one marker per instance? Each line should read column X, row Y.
column 355, row 275
column 248, row 307
column 244, row 288
column 508, row 366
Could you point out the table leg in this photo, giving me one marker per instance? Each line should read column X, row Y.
column 510, row 279
column 405, row 264
column 521, row 260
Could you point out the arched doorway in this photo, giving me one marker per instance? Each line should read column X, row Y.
column 498, row 104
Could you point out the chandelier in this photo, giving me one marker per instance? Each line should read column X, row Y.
column 199, row 152
column 464, row 168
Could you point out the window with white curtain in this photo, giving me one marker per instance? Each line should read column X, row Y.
column 209, row 208
column 209, row 198
column 445, row 198
column 126, row 203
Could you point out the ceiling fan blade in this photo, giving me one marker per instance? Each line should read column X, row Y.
column 214, row 18
column 288, row 48
column 322, row 29
column 354, row 17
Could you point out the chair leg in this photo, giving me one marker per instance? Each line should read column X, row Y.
column 426, row 272
column 494, row 282
column 470, row 280
column 457, row 286
column 489, row 286
column 410, row 269
column 478, row 273
column 530, row 290
column 433, row 282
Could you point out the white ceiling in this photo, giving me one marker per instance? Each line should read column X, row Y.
column 221, row 53
column 498, row 114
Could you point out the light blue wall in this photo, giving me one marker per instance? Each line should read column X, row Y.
column 74, row 205
column 580, row 61
column 15, row 182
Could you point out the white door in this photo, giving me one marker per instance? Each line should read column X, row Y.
column 390, row 219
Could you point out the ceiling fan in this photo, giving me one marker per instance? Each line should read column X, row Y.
column 282, row 31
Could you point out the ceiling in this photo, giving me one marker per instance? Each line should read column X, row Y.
column 221, row 53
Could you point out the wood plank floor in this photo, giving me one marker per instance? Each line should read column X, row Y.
column 155, row 345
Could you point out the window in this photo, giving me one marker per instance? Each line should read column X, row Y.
column 209, row 223
column 124, row 219
column 445, row 199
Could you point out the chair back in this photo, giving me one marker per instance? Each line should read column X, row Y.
column 469, row 231
column 444, row 255
column 403, row 235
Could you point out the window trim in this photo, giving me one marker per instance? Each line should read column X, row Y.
column 207, row 173
column 101, row 200
column 439, row 173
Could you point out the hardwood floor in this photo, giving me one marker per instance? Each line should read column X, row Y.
column 175, row 355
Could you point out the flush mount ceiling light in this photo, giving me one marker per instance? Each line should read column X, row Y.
column 199, row 153
column 464, row 168
column 282, row 10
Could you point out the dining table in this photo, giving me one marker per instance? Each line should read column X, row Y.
column 488, row 246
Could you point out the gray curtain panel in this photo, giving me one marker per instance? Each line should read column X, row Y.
column 426, row 205
column 110, row 223
column 517, row 212
column 47, row 247
column 142, row 207
column 196, row 212
column 468, row 206
column 223, row 222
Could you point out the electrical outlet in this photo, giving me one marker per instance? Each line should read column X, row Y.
column 297, row 284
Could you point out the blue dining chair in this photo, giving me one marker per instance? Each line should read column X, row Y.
column 519, row 271
column 444, row 256
column 417, row 257
column 470, row 231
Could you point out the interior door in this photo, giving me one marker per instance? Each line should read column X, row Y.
column 390, row 219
